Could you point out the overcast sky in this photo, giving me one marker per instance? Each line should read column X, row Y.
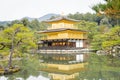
column 16, row 9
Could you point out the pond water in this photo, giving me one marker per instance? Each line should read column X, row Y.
column 94, row 71
column 110, row 75
column 18, row 76
column 30, row 78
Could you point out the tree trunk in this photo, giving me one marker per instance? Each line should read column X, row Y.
column 12, row 47
column 11, row 52
column 112, row 54
column 10, row 59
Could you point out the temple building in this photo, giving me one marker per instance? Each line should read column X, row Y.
column 62, row 34
column 62, row 45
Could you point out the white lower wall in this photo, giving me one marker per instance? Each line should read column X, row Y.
column 79, row 58
column 79, row 43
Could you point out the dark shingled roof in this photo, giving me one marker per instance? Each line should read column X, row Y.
column 61, row 18
column 60, row 29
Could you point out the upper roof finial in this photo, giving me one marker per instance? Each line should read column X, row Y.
column 62, row 14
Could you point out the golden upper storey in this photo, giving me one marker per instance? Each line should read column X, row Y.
column 63, row 34
column 62, row 28
column 62, row 22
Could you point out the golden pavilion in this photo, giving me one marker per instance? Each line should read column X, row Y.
column 62, row 46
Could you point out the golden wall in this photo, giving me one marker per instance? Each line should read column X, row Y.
column 66, row 67
column 67, row 34
column 63, row 76
column 62, row 24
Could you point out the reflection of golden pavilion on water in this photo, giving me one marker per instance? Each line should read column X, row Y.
column 55, row 76
column 63, row 48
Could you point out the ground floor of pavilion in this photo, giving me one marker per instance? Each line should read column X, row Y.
column 62, row 44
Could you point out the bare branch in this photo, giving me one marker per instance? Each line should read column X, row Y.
column 3, row 46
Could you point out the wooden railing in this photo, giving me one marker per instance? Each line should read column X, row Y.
column 63, row 51
column 58, row 48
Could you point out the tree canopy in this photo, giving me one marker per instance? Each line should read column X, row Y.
column 16, row 39
column 110, row 8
